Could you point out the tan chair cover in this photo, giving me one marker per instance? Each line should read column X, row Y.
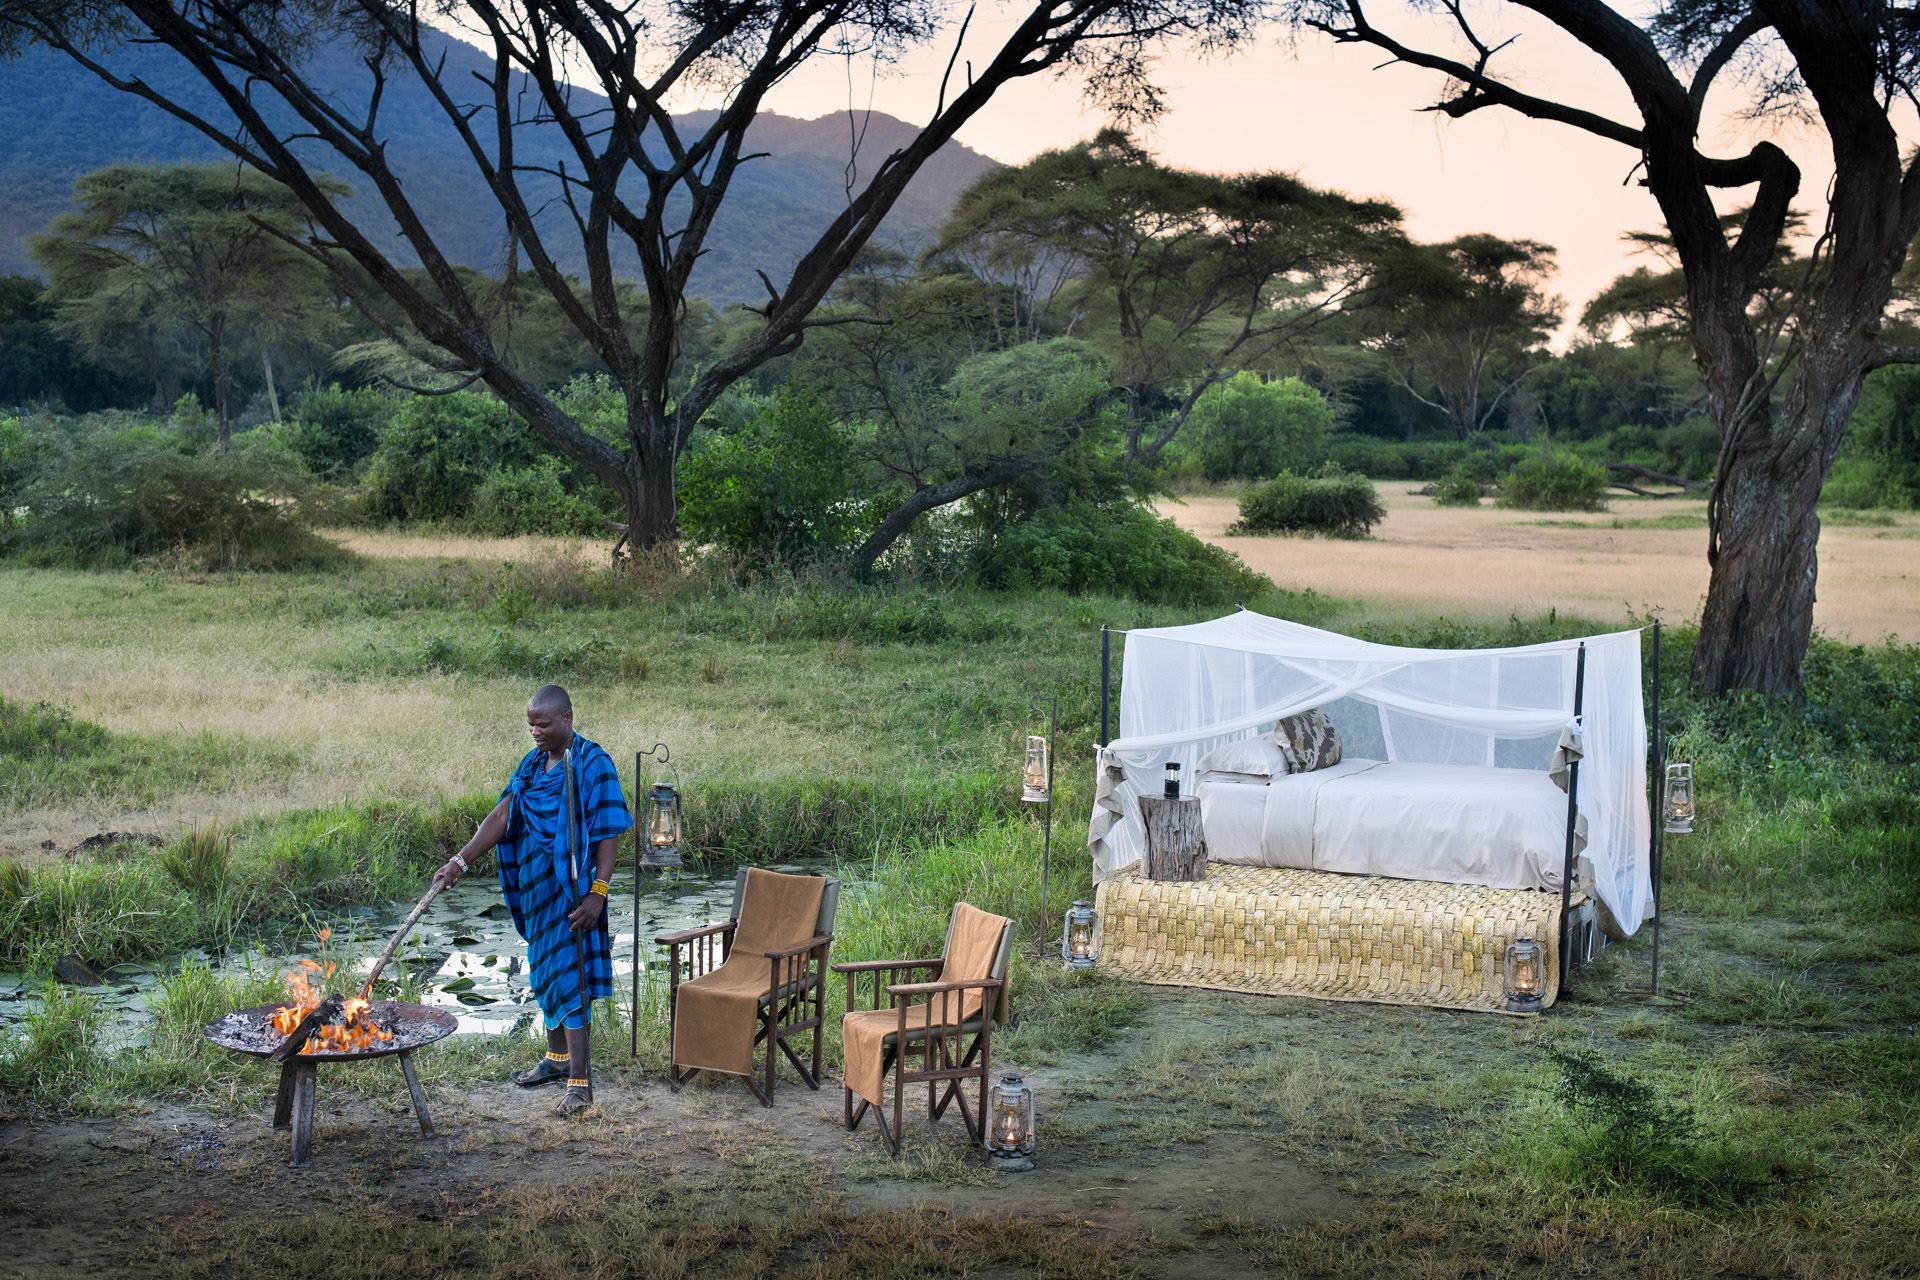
column 972, row 945
column 714, row 1022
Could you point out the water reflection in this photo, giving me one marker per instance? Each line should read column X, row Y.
column 463, row 954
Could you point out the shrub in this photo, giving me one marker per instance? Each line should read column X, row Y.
column 439, row 450
column 531, row 500
column 106, row 497
column 1121, row 548
column 1335, row 502
column 780, row 484
column 334, row 431
column 1395, row 459
column 1457, row 490
column 1248, row 429
column 1555, row 482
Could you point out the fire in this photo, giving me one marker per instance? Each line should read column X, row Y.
column 360, row 1030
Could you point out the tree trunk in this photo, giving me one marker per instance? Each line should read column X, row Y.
column 273, row 397
column 1758, row 619
column 647, row 493
column 222, row 381
column 1176, row 846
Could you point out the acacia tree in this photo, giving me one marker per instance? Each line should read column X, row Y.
column 202, row 246
column 1466, row 320
column 1178, row 279
column 1779, row 395
column 631, row 173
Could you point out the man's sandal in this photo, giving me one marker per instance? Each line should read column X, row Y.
column 577, row 1098
column 549, row 1069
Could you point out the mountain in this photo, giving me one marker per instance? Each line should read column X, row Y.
column 58, row 122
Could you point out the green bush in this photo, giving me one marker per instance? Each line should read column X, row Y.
column 333, row 431
column 781, row 484
column 1879, row 462
column 1395, row 459
column 105, row 497
column 438, row 450
column 1457, row 490
column 1336, row 503
column 1555, row 482
column 1120, row 548
column 1249, row 429
column 531, row 500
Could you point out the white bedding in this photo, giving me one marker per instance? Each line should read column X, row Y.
column 1504, row 828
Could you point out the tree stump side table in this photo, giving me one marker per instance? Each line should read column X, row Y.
column 1176, row 846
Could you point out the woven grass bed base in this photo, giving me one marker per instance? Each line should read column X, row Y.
column 1279, row 931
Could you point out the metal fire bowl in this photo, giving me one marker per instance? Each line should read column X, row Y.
column 249, row 1031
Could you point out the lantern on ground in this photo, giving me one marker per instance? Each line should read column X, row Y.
column 1676, row 806
column 1010, row 1124
column 660, row 827
column 1526, row 976
column 1034, row 774
column 1079, row 939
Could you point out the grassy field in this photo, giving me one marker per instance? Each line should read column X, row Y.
column 1758, row 1118
column 1645, row 554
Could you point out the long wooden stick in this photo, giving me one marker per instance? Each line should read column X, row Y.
column 419, row 909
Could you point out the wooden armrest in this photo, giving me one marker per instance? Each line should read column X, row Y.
column 818, row 939
column 874, row 966
column 935, row 988
column 688, row 935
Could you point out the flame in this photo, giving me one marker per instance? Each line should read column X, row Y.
column 360, row 1031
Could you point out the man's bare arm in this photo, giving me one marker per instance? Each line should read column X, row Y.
column 492, row 828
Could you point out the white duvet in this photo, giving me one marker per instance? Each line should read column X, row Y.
column 1503, row 828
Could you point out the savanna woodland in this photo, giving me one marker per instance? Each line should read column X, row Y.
column 375, row 365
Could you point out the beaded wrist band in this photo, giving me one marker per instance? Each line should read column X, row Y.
column 462, row 861
column 600, row 887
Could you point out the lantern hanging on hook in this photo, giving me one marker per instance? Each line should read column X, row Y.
column 662, row 822
column 1677, row 803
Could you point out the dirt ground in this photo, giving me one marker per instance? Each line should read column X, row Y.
column 108, row 1196
column 1486, row 563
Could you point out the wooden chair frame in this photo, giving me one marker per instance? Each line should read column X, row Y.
column 793, row 1003
column 951, row 1049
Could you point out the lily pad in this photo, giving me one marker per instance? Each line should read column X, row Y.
column 468, row 997
column 459, row 984
column 464, row 940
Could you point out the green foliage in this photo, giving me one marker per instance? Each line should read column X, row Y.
column 1082, row 547
column 1334, row 502
column 106, row 497
column 52, row 1059
column 199, row 861
column 334, row 431
column 532, row 500
column 37, row 362
column 1456, row 490
column 1879, row 461
column 1555, row 482
column 438, row 450
column 1250, row 429
column 1629, row 1135
column 782, row 486
column 183, row 1003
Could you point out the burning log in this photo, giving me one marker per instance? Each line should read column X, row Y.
column 331, row 1011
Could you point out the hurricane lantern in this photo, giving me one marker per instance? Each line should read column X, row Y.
column 660, row 820
column 1677, row 805
column 1033, row 774
column 1173, row 780
column 1526, row 976
column 1010, row 1124
column 1079, row 939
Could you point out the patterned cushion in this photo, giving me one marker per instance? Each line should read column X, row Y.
column 1309, row 741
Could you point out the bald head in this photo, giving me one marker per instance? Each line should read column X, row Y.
column 550, row 720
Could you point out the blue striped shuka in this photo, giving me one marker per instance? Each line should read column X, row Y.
column 534, row 874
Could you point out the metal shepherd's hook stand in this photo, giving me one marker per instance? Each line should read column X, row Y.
column 639, row 862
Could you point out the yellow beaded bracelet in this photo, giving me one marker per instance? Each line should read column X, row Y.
column 600, row 887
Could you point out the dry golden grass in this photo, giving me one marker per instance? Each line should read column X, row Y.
column 1488, row 563
column 404, row 544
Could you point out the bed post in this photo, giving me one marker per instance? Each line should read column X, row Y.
column 1106, row 678
column 1656, row 842
column 1573, row 817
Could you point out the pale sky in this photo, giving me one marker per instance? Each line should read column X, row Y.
column 1320, row 111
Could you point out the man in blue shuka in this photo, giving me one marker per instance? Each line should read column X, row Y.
column 554, row 873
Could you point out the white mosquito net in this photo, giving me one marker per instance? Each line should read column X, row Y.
column 1187, row 690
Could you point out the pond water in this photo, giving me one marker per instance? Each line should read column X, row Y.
column 463, row 952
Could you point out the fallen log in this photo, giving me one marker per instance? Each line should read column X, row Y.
column 331, row 1010
column 1648, row 473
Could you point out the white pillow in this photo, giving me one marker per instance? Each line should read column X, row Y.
column 1243, row 779
column 1257, row 756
